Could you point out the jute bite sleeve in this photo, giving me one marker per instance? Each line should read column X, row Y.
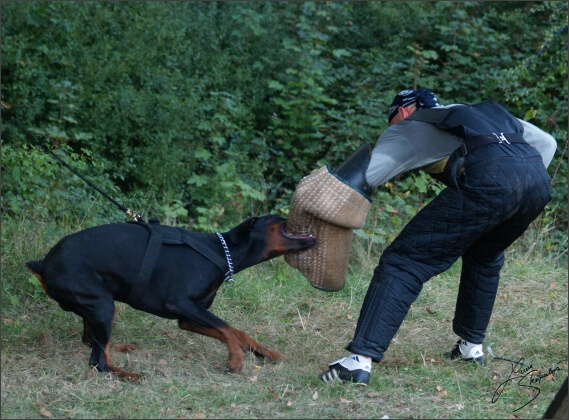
column 329, row 209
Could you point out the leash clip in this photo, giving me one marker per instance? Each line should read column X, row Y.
column 134, row 215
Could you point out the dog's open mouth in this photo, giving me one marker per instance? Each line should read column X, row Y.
column 293, row 236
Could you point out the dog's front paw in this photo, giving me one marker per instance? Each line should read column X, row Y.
column 234, row 368
column 125, row 348
column 267, row 354
column 130, row 376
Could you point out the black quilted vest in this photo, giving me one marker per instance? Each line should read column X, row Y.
column 478, row 124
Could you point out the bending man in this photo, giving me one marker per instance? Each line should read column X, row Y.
column 494, row 167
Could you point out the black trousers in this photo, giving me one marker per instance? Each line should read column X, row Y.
column 503, row 188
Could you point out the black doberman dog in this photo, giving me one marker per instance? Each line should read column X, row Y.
column 170, row 272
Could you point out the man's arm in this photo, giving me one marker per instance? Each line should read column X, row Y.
column 544, row 142
column 408, row 145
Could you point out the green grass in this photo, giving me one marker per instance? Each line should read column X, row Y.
column 45, row 366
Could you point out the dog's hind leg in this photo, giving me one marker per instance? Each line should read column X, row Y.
column 236, row 342
column 98, row 325
column 87, row 338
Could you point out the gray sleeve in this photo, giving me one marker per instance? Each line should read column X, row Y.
column 408, row 145
column 544, row 143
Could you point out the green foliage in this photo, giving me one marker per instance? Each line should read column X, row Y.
column 35, row 184
column 212, row 111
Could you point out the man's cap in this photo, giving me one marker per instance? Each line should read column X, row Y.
column 423, row 97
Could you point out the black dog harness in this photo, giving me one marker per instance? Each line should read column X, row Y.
column 168, row 235
column 478, row 124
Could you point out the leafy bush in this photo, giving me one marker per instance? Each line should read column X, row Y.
column 37, row 186
column 206, row 112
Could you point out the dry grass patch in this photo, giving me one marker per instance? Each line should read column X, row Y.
column 45, row 366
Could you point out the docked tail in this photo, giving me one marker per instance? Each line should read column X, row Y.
column 37, row 268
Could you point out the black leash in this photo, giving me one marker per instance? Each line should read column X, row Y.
column 515, row 362
column 130, row 213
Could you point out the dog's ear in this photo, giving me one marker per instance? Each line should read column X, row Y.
column 250, row 223
column 242, row 231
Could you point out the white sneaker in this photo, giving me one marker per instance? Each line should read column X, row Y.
column 467, row 352
column 349, row 369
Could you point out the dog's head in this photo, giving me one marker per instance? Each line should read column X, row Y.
column 261, row 238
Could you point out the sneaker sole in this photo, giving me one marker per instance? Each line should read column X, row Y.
column 332, row 376
column 481, row 361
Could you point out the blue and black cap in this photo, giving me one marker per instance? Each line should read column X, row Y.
column 424, row 98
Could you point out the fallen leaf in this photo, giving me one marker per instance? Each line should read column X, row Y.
column 350, row 317
column 289, row 403
column 552, row 285
column 315, row 395
column 442, row 391
column 253, row 378
column 429, row 310
column 169, row 335
column 162, row 362
column 344, row 401
column 199, row 416
column 257, row 368
column 45, row 413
